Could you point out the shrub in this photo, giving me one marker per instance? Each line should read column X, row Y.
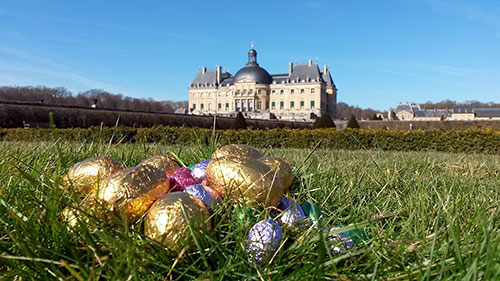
column 352, row 123
column 468, row 141
column 239, row 122
column 325, row 121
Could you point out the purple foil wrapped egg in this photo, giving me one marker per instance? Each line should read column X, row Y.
column 339, row 242
column 285, row 203
column 199, row 170
column 264, row 239
column 181, row 179
column 292, row 215
column 199, row 191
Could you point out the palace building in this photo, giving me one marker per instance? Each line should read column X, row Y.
column 301, row 94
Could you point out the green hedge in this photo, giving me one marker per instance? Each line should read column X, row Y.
column 470, row 141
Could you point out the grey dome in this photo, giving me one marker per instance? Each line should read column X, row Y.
column 253, row 72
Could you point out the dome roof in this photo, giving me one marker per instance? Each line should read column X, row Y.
column 253, row 72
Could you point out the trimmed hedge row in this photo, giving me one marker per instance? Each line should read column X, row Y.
column 470, row 141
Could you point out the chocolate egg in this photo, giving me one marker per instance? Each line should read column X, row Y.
column 264, row 238
column 237, row 151
column 190, row 167
column 292, row 215
column 166, row 163
column 167, row 220
column 181, row 179
column 339, row 242
column 312, row 211
column 86, row 175
column 199, row 170
column 245, row 180
column 199, row 191
column 71, row 217
column 283, row 170
column 133, row 190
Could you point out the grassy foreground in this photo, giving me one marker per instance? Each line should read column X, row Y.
column 429, row 216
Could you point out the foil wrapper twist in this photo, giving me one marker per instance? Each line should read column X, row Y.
column 244, row 180
column 263, row 240
column 85, row 176
column 168, row 218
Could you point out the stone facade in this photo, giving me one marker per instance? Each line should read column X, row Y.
column 301, row 94
column 460, row 112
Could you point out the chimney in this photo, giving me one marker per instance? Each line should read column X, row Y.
column 290, row 68
column 204, row 70
column 310, row 62
column 325, row 68
column 218, row 74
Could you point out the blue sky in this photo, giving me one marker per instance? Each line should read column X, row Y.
column 379, row 52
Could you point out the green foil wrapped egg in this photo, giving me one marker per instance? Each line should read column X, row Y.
column 133, row 190
column 284, row 170
column 167, row 220
column 166, row 163
column 84, row 176
column 238, row 151
column 244, row 180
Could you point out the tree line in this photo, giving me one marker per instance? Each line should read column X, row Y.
column 102, row 99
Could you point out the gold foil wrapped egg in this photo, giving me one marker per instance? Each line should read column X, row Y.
column 133, row 190
column 166, row 220
column 284, row 170
column 86, row 175
column 237, row 151
column 165, row 163
column 246, row 180
column 70, row 216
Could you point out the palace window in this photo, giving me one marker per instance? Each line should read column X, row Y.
column 209, row 106
column 259, row 105
column 312, row 104
column 282, row 104
column 273, row 105
column 202, row 106
column 292, row 104
column 258, row 92
column 282, row 92
column 219, row 106
column 292, row 91
column 273, row 92
column 312, row 90
column 302, row 91
column 194, row 106
column 227, row 105
column 301, row 104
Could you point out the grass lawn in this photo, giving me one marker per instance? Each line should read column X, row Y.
column 428, row 215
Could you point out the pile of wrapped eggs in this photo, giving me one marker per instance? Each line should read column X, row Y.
column 171, row 197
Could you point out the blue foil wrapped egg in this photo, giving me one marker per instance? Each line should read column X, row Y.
column 263, row 239
column 339, row 242
column 292, row 212
column 199, row 191
column 292, row 215
column 199, row 170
